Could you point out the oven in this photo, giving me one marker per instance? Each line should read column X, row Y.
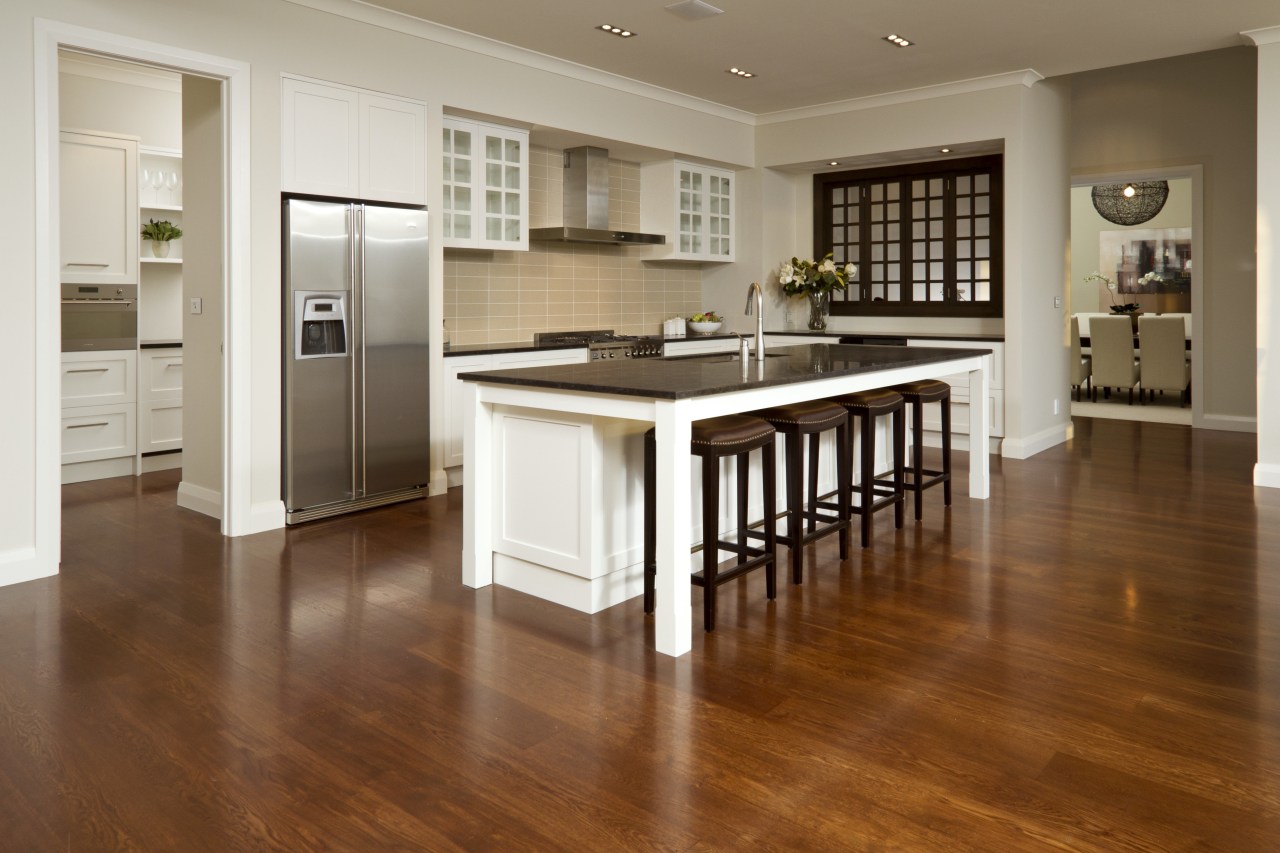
column 99, row 317
column 603, row 344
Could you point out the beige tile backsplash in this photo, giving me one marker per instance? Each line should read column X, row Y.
column 496, row 297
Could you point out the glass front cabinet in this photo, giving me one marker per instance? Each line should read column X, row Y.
column 486, row 186
column 693, row 206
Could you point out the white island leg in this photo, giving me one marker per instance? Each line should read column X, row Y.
column 673, row 620
column 477, row 489
column 980, row 430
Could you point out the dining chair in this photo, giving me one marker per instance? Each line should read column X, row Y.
column 1081, row 365
column 1164, row 364
column 1114, row 362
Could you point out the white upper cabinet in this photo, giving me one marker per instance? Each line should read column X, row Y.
column 340, row 141
column 486, row 186
column 98, row 208
column 693, row 206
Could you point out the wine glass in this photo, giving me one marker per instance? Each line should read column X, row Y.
column 146, row 179
column 157, row 181
column 171, row 183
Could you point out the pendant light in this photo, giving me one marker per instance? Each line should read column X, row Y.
column 1132, row 203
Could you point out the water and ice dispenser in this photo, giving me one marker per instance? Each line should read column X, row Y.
column 320, row 329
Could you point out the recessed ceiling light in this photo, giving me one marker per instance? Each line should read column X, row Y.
column 893, row 38
column 739, row 72
column 834, row 163
column 617, row 31
column 945, row 150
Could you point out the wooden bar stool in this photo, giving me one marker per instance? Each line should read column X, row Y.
column 807, row 522
column 916, row 394
column 714, row 439
column 875, row 493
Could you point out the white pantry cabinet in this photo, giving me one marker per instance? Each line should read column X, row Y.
column 342, row 141
column 159, row 400
column 455, row 364
column 693, row 205
column 486, row 186
column 98, row 201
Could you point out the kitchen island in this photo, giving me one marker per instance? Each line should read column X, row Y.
column 670, row 394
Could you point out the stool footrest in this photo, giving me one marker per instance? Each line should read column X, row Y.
column 735, row 571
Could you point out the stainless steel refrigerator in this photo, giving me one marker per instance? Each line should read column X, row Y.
column 356, row 421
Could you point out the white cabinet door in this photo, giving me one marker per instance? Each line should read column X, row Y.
column 540, row 358
column 319, row 138
column 160, row 374
column 90, row 433
column 98, row 192
column 98, row 378
column 671, row 348
column 486, row 186
column 393, row 138
column 159, row 426
column 453, row 387
column 693, row 205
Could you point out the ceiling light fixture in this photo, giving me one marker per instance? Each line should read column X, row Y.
column 617, row 31
column 898, row 40
column 1132, row 203
column 834, row 163
column 739, row 72
column 945, row 150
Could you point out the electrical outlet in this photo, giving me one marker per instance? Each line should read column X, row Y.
column 1056, row 406
column 1057, row 302
column 197, row 305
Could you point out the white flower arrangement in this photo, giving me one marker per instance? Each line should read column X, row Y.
column 802, row 277
column 1126, row 308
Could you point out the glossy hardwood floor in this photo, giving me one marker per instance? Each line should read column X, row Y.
column 1088, row 661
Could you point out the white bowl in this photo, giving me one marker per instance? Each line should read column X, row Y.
column 704, row 328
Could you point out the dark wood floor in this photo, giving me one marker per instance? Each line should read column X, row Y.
column 1090, row 661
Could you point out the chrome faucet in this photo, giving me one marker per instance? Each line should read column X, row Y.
column 759, row 294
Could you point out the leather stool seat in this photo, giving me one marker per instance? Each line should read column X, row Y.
column 916, row 394
column 807, row 522
column 711, row 440
column 876, row 493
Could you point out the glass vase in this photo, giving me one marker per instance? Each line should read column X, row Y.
column 819, row 308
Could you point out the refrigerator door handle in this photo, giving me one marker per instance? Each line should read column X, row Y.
column 362, row 484
column 357, row 345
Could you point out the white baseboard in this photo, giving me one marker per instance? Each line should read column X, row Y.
column 160, row 462
column 23, row 564
column 265, row 515
column 1024, row 448
column 1266, row 475
column 959, row 441
column 439, row 482
column 1229, row 423
column 198, row 498
column 97, row 469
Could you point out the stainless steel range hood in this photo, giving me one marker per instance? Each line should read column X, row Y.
column 586, row 204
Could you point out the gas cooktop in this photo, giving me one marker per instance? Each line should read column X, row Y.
column 604, row 344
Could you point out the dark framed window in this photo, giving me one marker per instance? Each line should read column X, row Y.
column 927, row 237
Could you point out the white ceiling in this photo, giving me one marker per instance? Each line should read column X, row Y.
column 808, row 52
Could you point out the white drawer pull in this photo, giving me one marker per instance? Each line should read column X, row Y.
column 82, row 264
column 173, row 364
column 86, row 426
column 90, row 370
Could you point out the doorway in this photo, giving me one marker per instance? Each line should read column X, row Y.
column 1157, row 265
column 232, row 277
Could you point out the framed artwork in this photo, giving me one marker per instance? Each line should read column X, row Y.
column 1147, row 260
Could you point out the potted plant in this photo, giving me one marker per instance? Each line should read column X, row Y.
column 1128, row 309
column 815, row 280
column 160, row 233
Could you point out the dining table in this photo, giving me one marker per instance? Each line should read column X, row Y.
column 670, row 394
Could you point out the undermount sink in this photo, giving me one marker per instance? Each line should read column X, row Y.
column 717, row 357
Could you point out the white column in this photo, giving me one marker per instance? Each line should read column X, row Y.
column 673, row 621
column 477, row 488
column 1267, row 470
column 980, row 430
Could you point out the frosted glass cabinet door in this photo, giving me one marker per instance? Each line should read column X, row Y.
column 693, row 205
column 99, row 209
column 486, row 186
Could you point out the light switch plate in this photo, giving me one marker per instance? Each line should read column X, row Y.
column 1057, row 302
column 197, row 305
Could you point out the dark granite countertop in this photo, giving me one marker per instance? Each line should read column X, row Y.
column 529, row 346
column 918, row 336
column 682, row 377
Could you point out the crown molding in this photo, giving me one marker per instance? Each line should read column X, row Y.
column 129, row 74
column 399, row 22
column 1266, row 35
column 1026, row 77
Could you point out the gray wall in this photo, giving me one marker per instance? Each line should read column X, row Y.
column 1195, row 109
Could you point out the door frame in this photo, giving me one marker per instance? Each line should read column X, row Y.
column 237, row 517
column 1195, row 172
